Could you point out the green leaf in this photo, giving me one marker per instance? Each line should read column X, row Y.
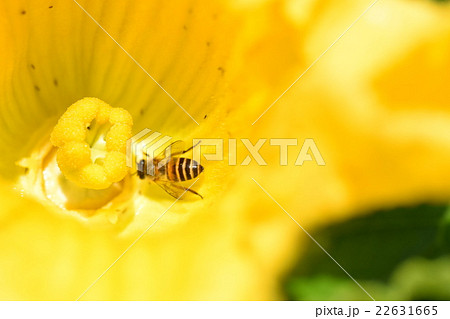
column 371, row 249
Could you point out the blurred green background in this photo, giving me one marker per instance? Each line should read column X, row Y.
column 396, row 254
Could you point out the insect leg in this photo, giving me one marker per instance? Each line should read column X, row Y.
column 185, row 189
column 193, row 192
column 175, row 190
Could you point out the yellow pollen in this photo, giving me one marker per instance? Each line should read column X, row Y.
column 86, row 124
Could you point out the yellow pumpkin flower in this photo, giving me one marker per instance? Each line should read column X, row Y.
column 375, row 105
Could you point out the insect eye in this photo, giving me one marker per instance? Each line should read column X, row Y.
column 141, row 165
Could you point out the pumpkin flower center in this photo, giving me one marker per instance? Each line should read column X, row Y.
column 91, row 140
column 83, row 167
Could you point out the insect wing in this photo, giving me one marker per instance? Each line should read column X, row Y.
column 171, row 189
column 164, row 157
column 173, row 149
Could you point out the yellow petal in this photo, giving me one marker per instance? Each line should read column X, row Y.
column 208, row 58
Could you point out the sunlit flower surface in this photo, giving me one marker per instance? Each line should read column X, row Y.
column 375, row 103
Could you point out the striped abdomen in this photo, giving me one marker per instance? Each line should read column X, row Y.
column 180, row 169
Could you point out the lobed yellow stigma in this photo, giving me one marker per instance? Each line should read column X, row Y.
column 81, row 128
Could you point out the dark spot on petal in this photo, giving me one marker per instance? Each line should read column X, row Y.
column 190, row 10
column 222, row 70
column 208, row 44
column 50, row 7
column 88, row 127
column 141, row 111
column 26, row 170
column 55, row 82
column 204, row 117
column 33, row 67
column 185, row 27
column 37, row 88
column 23, row 12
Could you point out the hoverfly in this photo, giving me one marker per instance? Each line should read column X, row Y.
column 169, row 169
